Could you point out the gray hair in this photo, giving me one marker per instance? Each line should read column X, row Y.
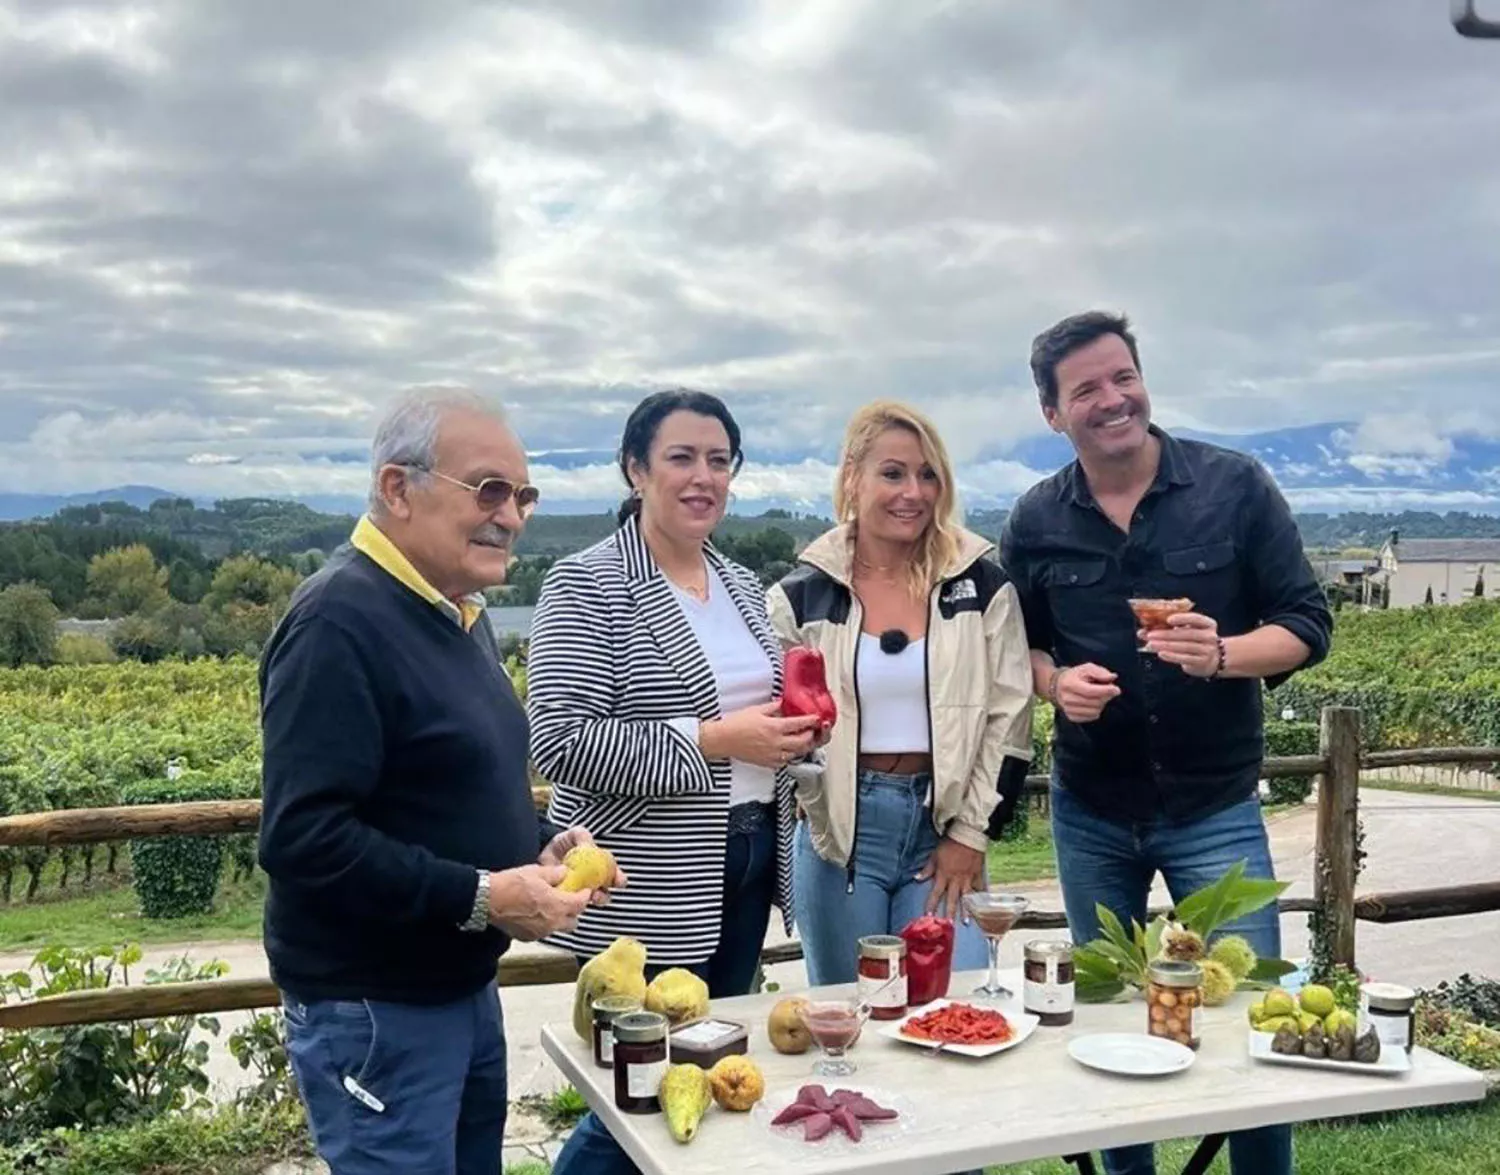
column 407, row 433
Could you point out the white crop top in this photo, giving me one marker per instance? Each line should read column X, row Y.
column 892, row 698
column 742, row 672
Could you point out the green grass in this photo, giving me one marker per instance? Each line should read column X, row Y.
column 1440, row 1141
column 107, row 911
column 1027, row 859
column 1429, row 789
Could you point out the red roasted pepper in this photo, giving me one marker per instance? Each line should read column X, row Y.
column 804, row 691
column 929, row 958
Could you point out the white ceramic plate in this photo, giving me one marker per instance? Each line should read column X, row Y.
column 1392, row 1060
column 1023, row 1023
column 1132, row 1054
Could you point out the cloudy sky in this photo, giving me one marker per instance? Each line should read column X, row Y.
column 230, row 231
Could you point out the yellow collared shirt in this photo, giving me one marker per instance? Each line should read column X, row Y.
column 370, row 540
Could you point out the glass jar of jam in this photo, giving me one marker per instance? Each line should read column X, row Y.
column 1174, row 1001
column 1048, row 990
column 606, row 1008
column 882, row 975
column 640, row 1061
column 1392, row 1012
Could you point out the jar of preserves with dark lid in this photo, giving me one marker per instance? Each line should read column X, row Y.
column 606, row 1009
column 1048, row 990
column 640, row 1061
column 882, row 975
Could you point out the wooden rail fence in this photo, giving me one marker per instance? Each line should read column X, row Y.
column 1337, row 764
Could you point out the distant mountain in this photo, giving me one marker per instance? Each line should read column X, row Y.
column 1322, row 467
column 17, row 507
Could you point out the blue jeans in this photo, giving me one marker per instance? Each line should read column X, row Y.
column 394, row 1089
column 893, row 839
column 1108, row 861
column 749, row 886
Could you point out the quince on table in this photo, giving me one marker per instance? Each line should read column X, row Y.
column 679, row 995
column 620, row 969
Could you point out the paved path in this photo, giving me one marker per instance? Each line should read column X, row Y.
column 1413, row 841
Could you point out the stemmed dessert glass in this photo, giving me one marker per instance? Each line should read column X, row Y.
column 995, row 914
column 835, row 1024
column 1153, row 614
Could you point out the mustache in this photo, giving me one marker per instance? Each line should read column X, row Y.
column 493, row 533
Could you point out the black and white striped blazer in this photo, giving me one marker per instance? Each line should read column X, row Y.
column 612, row 659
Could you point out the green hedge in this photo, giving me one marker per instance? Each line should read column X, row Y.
column 177, row 875
column 1291, row 738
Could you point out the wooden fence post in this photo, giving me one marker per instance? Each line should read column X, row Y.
column 1338, row 835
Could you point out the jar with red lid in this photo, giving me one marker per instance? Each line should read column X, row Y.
column 882, row 975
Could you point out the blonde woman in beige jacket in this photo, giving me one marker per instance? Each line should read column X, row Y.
column 926, row 654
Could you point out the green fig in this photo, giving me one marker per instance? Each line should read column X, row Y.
column 685, row 1095
column 1317, row 999
column 1257, row 1012
column 1280, row 1003
column 1337, row 1018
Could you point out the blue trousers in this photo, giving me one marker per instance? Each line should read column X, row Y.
column 402, row 1089
column 893, row 840
column 1111, row 862
column 749, row 885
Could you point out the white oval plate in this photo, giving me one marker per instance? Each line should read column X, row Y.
column 1132, row 1054
column 1023, row 1023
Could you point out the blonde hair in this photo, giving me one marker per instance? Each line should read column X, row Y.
column 938, row 545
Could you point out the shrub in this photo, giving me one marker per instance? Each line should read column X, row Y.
column 176, row 875
column 79, row 648
column 99, row 1074
column 1291, row 738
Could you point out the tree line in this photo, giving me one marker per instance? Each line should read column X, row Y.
column 179, row 579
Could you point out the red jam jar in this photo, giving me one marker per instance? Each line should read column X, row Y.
column 882, row 975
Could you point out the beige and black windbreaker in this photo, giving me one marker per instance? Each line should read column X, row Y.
column 979, row 689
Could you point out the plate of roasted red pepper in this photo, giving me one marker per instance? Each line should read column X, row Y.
column 972, row 1029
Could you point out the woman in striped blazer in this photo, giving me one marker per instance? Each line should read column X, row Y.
column 653, row 677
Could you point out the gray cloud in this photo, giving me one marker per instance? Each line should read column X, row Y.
column 270, row 217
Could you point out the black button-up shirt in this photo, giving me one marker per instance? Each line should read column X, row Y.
column 1214, row 528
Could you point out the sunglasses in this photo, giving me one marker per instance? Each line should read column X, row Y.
column 493, row 492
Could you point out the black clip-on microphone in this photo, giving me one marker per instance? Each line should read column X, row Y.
column 893, row 641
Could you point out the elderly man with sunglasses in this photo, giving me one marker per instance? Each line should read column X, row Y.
column 399, row 834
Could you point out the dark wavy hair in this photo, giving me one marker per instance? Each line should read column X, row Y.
column 645, row 422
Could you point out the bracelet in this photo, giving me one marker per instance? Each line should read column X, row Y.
column 1054, row 683
column 1223, row 657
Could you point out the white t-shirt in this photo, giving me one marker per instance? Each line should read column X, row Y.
column 741, row 670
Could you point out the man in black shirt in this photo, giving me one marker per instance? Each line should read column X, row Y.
column 398, row 830
column 1159, row 735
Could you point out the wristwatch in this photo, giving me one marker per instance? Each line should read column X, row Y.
column 479, row 917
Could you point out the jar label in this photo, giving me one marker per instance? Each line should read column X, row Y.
column 1047, row 997
column 1394, row 1031
column 642, row 1081
column 883, row 992
column 607, row 1046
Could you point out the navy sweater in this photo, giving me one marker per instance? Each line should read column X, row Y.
column 394, row 767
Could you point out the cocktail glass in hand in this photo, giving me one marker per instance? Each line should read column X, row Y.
column 1153, row 614
column 834, row 1025
column 994, row 914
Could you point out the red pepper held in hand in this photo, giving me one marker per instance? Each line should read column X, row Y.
column 804, row 691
